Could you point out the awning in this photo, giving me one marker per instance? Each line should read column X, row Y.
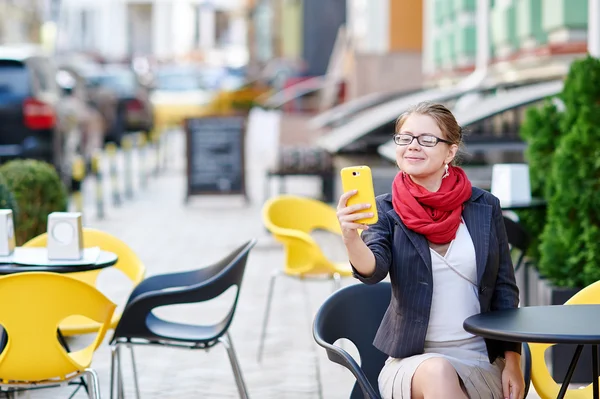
column 351, row 108
column 369, row 120
column 491, row 106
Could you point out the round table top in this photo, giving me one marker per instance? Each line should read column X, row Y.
column 513, row 206
column 559, row 324
column 105, row 259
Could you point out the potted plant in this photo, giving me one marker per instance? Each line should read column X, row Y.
column 38, row 191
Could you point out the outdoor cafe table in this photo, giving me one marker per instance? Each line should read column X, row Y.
column 534, row 203
column 35, row 260
column 563, row 324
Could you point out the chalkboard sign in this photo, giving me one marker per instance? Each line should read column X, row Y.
column 215, row 155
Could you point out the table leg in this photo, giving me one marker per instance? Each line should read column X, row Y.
column 570, row 371
column 63, row 342
column 595, row 371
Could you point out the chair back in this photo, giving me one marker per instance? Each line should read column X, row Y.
column 128, row 262
column 201, row 285
column 291, row 219
column 35, row 304
column 517, row 238
column 541, row 378
column 355, row 312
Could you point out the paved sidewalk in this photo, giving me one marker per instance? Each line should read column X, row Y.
column 169, row 236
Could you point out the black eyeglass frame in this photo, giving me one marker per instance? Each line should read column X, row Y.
column 437, row 139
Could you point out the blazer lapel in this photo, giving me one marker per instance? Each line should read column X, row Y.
column 417, row 240
column 478, row 218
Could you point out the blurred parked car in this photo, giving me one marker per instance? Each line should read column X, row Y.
column 33, row 120
column 133, row 111
column 179, row 92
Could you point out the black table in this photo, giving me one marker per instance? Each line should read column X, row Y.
column 105, row 259
column 563, row 324
column 535, row 203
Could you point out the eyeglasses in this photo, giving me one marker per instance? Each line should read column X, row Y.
column 426, row 140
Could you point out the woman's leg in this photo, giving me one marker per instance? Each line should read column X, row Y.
column 436, row 378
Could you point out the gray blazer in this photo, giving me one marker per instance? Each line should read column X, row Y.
column 405, row 255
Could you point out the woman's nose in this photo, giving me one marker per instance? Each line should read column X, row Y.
column 414, row 145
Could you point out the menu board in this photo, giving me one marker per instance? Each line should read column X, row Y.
column 215, row 155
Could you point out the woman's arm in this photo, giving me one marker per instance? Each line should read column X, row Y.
column 371, row 254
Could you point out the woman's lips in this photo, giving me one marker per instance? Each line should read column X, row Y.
column 413, row 159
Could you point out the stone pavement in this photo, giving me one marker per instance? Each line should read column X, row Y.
column 169, row 236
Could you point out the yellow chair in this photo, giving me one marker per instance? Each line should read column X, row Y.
column 35, row 304
column 291, row 219
column 128, row 263
column 541, row 378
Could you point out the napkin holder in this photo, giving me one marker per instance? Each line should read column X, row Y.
column 7, row 232
column 65, row 236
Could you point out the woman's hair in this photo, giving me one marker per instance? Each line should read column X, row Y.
column 442, row 116
column 444, row 119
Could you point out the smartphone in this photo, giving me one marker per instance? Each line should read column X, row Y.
column 359, row 178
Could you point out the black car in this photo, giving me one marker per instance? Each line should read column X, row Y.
column 29, row 101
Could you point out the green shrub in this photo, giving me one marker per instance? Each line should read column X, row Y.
column 570, row 242
column 7, row 199
column 38, row 191
column 541, row 131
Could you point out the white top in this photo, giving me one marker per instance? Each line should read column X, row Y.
column 455, row 295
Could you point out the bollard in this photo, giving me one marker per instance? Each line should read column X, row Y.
column 155, row 139
column 97, row 171
column 111, row 151
column 77, row 176
column 126, row 146
column 142, row 160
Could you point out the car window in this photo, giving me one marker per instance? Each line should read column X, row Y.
column 122, row 82
column 14, row 79
column 179, row 81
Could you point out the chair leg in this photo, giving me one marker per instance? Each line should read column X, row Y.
column 114, row 376
column 337, row 281
column 94, row 384
column 135, row 375
column 274, row 276
column 237, row 371
column 116, row 373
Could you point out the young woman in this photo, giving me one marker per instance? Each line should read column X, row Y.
column 444, row 246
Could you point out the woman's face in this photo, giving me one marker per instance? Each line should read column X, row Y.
column 422, row 162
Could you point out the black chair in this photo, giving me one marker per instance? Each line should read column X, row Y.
column 139, row 326
column 355, row 312
column 517, row 238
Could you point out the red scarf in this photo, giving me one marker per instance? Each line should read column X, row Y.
column 436, row 215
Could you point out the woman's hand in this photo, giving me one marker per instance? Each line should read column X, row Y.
column 513, row 385
column 348, row 215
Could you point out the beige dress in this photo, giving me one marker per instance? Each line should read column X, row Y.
column 455, row 298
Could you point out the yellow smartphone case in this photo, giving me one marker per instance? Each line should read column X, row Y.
column 360, row 178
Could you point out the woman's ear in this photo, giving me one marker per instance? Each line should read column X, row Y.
column 451, row 153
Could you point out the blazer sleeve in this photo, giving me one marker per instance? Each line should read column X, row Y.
column 378, row 238
column 506, row 292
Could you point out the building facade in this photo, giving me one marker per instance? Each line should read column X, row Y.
column 163, row 29
column 21, row 21
column 387, row 42
column 529, row 39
